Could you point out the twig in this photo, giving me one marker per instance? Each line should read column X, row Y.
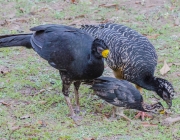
column 169, row 121
column 40, row 92
column 4, row 103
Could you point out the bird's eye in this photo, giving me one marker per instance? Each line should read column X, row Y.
column 165, row 96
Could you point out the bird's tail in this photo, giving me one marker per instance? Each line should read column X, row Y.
column 15, row 40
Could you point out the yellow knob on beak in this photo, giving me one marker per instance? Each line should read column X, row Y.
column 105, row 53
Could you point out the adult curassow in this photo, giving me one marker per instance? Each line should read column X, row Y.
column 121, row 93
column 76, row 55
column 132, row 57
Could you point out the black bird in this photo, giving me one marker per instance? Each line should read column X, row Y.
column 132, row 57
column 76, row 55
column 121, row 93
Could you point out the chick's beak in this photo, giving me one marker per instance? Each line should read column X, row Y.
column 169, row 102
column 162, row 112
column 105, row 53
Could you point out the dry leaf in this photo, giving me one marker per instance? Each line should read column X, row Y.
column 40, row 92
column 172, row 8
column 80, row 16
column 176, row 22
column 4, row 103
column 165, row 68
column 138, row 2
column 153, row 36
column 42, row 102
column 25, row 117
column 152, row 5
column 22, row 20
column 21, row 10
column 88, row 138
column 146, row 124
column 42, row 123
column 77, row 22
column 14, row 128
column 43, row 9
column 73, row 1
column 4, row 70
column 109, row 6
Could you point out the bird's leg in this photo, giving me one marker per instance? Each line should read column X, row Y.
column 76, row 88
column 140, row 113
column 66, row 82
column 70, row 106
column 65, row 91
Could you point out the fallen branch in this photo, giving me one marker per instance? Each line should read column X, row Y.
column 169, row 121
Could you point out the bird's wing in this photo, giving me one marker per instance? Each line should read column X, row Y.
column 55, row 43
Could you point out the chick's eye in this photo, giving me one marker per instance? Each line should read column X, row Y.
column 165, row 96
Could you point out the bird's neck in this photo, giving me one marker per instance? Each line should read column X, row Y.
column 95, row 59
column 95, row 67
column 149, row 83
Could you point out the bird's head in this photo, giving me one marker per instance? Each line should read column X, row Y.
column 99, row 48
column 156, row 108
column 165, row 90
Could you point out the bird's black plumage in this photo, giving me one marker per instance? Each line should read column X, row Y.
column 132, row 57
column 72, row 51
column 121, row 93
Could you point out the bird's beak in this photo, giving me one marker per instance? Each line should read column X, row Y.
column 105, row 53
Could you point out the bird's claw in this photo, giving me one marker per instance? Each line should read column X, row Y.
column 77, row 119
column 77, row 110
column 142, row 115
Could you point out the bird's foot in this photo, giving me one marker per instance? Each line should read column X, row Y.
column 142, row 115
column 77, row 110
column 77, row 119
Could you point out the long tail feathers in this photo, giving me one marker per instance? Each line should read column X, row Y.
column 15, row 40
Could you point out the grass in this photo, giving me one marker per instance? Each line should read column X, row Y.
column 33, row 106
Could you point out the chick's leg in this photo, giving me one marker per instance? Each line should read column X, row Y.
column 141, row 114
column 117, row 111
